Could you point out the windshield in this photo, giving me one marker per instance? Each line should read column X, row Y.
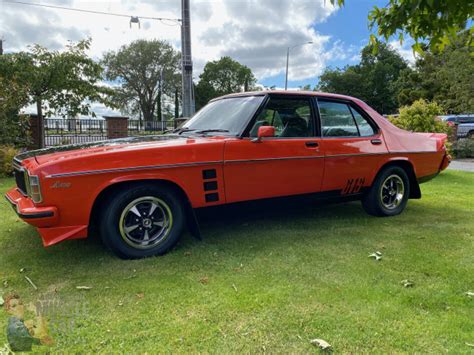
column 228, row 116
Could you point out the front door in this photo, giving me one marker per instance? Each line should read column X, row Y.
column 290, row 163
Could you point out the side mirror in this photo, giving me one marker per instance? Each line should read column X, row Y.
column 264, row 131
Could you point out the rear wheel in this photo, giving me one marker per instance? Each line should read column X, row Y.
column 388, row 194
column 142, row 221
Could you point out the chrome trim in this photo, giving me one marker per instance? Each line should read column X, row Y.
column 272, row 159
column 185, row 165
column 145, row 167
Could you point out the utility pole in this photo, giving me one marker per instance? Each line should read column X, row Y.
column 1, row 46
column 186, row 60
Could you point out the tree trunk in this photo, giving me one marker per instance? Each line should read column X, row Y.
column 176, row 103
column 39, row 111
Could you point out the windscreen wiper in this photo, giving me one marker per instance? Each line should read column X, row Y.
column 182, row 130
column 203, row 131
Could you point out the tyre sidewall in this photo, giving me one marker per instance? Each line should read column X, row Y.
column 110, row 230
column 395, row 170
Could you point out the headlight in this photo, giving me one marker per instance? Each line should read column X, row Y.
column 34, row 189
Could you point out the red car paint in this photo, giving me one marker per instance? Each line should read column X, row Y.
column 241, row 169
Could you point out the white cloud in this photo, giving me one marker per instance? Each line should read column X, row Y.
column 404, row 50
column 254, row 32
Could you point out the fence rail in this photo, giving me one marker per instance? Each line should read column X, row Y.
column 71, row 131
column 58, row 131
column 150, row 127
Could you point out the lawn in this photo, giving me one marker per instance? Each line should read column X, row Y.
column 266, row 278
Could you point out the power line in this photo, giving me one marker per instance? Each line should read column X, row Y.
column 92, row 11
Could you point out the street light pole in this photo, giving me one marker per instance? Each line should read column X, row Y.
column 187, row 63
column 288, row 60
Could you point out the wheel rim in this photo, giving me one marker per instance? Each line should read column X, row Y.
column 145, row 222
column 392, row 192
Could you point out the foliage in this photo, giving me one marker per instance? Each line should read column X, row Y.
column 421, row 116
column 464, row 148
column 372, row 80
column 64, row 83
column 143, row 68
column 278, row 275
column 7, row 153
column 222, row 77
column 13, row 126
column 436, row 21
column 445, row 77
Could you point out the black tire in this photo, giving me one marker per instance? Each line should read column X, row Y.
column 377, row 201
column 125, row 232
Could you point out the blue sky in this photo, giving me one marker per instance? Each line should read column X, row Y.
column 349, row 26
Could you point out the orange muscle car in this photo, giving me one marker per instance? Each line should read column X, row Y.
column 141, row 192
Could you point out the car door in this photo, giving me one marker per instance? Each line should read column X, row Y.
column 353, row 146
column 288, row 164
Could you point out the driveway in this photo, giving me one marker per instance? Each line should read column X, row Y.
column 462, row 164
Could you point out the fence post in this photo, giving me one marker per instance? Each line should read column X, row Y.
column 35, row 132
column 117, row 126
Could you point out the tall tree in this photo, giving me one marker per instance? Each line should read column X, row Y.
column 373, row 80
column 221, row 77
column 64, row 83
column 143, row 68
column 437, row 22
column 442, row 76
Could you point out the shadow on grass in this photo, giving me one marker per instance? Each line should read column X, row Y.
column 271, row 220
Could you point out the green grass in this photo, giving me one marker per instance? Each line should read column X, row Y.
column 267, row 278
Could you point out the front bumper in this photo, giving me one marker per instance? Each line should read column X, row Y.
column 24, row 207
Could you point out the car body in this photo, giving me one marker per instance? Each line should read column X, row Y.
column 465, row 130
column 273, row 144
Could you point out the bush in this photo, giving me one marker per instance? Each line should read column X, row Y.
column 6, row 157
column 464, row 148
column 421, row 116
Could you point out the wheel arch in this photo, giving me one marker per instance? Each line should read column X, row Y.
column 405, row 164
column 108, row 191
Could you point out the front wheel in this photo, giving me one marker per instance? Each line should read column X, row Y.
column 388, row 195
column 142, row 221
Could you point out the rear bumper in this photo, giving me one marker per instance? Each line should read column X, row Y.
column 445, row 162
column 27, row 211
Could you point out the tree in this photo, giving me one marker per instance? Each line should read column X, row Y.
column 436, row 21
column 13, row 126
column 373, row 80
column 63, row 83
column 442, row 76
column 143, row 69
column 221, row 77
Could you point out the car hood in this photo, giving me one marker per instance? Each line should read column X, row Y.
column 61, row 153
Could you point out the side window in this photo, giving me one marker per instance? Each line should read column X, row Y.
column 365, row 129
column 336, row 120
column 290, row 117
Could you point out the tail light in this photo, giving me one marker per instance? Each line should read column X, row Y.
column 35, row 189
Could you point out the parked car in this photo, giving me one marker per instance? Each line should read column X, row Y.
column 465, row 130
column 141, row 192
column 458, row 119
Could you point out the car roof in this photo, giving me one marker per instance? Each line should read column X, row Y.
column 288, row 93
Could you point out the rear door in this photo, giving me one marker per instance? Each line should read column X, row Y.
column 288, row 164
column 353, row 146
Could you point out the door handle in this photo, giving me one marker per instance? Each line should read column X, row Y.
column 376, row 141
column 312, row 144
